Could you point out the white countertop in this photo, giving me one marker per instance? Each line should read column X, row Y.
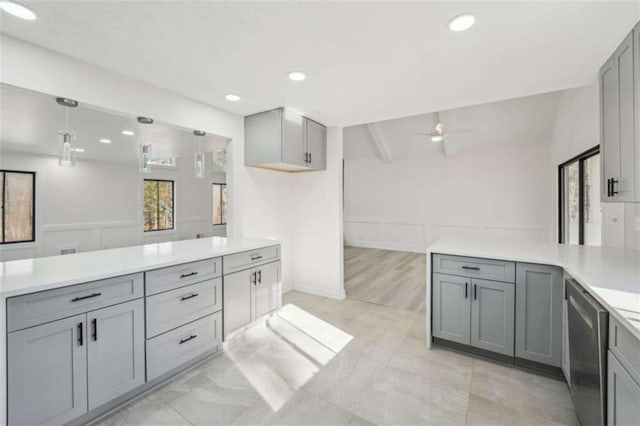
column 610, row 275
column 45, row 273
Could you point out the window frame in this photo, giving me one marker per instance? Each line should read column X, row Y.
column 221, row 184
column 173, row 205
column 581, row 158
column 33, row 207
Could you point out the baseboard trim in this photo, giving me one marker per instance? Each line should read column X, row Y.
column 319, row 291
column 382, row 246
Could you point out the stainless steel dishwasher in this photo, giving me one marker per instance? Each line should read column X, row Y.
column 588, row 339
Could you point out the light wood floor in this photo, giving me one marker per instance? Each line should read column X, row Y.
column 390, row 278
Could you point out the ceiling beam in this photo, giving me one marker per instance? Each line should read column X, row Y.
column 380, row 142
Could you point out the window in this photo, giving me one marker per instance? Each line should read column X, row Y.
column 17, row 201
column 158, row 205
column 579, row 196
column 219, row 197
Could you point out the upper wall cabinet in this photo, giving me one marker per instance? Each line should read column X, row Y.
column 620, row 138
column 283, row 140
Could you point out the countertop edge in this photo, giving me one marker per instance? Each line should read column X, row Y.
column 163, row 264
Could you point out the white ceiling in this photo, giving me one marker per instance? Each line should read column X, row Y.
column 366, row 61
column 526, row 120
column 31, row 122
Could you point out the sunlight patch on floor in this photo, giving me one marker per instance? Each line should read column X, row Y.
column 295, row 346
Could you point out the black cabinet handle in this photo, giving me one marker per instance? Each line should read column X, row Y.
column 94, row 323
column 310, row 158
column 475, row 291
column 190, row 274
column 260, row 276
column 472, row 268
column 191, row 296
column 256, row 258
column 91, row 296
column 80, row 335
column 608, row 187
column 186, row 339
column 613, row 186
column 466, row 290
column 254, row 278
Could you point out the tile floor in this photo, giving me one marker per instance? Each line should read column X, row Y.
column 324, row 361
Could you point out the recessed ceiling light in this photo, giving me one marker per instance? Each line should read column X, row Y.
column 78, row 149
column 128, row 132
column 297, row 75
column 232, row 98
column 104, row 140
column 17, row 10
column 462, row 22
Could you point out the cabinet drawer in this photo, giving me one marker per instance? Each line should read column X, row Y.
column 176, row 347
column 166, row 279
column 625, row 347
column 38, row 308
column 249, row 259
column 171, row 309
column 496, row 270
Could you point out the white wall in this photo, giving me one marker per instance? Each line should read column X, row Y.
column 577, row 129
column 317, row 216
column 260, row 201
column 498, row 187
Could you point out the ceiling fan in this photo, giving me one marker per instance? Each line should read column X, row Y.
column 437, row 134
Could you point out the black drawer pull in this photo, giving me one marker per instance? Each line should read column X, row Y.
column 472, row 268
column 256, row 257
column 91, row 296
column 94, row 323
column 613, row 188
column 191, row 296
column 80, row 335
column 186, row 339
column 466, row 290
column 190, row 274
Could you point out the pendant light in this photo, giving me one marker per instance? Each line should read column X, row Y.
column 199, row 161
column 66, row 138
column 144, row 156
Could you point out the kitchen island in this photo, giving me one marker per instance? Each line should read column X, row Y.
column 85, row 333
column 544, row 307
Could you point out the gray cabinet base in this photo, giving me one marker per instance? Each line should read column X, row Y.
column 130, row 397
column 531, row 366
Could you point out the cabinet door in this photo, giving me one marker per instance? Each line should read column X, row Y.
column 492, row 316
column 47, row 372
column 539, row 301
column 623, row 394
column 115, row 351
column 626, row 90
column 293, row 146
column 609, row 125
column 451, row 308
column 566, row 363
column 636, row 53
column 316, row 142
column 267, row 289
column 237, row 304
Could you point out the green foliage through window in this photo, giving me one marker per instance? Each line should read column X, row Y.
column 158, row 205
column 17, row 206
column 219, row 196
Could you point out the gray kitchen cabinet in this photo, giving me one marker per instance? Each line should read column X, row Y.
column 617, row 123
column 451, row 308
column 266, row 289
column 47, row 372
column 492, row 316
column 623, row 394
column 250, row 294
column 316, row 144
column 237, row 301
column 115, row 351
column 566, row 362
column 539, row 300
column 281, row 139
